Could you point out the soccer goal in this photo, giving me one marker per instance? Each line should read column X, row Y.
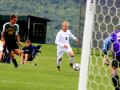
column 102, row 18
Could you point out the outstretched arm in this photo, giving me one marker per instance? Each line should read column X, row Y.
column 18, row 40
column 17, row 36
column 106, row 44
column 72, row 36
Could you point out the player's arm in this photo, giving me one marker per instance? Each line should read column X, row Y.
column 73, row 37
column 57, row 40
column 106, row 46
column 17, row 36
column 2, row 33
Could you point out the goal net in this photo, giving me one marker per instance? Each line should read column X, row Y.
column 102, row 18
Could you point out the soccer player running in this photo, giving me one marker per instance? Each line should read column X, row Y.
column 63, row 45
column 10, row 34
column 113, row 39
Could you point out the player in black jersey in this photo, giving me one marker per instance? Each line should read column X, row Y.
column 10, row 34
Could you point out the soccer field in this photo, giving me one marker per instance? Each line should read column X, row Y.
column 44, row 76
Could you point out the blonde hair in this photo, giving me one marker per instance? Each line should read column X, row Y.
column 65, row 22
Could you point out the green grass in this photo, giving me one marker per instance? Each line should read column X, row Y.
column 44, row 76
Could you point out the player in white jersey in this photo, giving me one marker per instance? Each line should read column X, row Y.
column 63, row 45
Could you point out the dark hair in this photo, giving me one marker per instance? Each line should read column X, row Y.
column 13, row 16
column 28, row 41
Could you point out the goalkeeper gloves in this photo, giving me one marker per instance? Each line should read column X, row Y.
column 106, row 60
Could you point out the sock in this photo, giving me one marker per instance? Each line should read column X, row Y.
column 115, row 80
column 8, row 59
column 59, row 61
column 71, row 59
column 15, row 62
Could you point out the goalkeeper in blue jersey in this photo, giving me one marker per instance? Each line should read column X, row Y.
column 114, row 40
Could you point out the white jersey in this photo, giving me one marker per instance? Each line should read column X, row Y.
column 62, row 38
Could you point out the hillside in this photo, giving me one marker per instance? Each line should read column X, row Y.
column 55, row 10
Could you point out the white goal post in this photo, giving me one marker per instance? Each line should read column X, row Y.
column 101, row 19
column 89, row 17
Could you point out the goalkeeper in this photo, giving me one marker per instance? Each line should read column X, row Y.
column 113, row 39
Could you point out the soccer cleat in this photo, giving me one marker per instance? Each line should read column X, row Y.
column 107, row 62
column 35, row 64
column 58, row 67
column 71, row 65
column 15, row 63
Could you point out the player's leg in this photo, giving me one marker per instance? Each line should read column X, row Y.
column 26, row 58
column 115, row 77
column 18, row 51
column 11, row 52
column 22, row 56
column 1, row 55
column 59, row 63
column 1, row 52
column 60, row 53
column 13, row 59
column 15, row 50
column 71, row 55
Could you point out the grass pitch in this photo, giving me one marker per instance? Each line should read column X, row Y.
column 44, row 76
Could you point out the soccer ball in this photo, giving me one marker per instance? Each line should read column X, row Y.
column 76, row 66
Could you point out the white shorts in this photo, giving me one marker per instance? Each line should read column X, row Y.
column 60, row 51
